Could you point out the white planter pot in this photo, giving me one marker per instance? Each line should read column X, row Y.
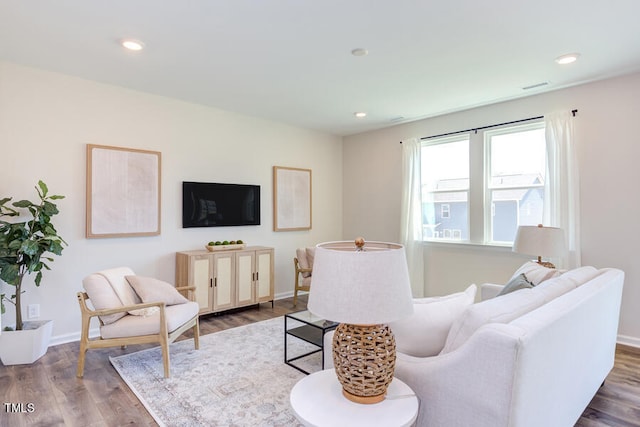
column 26, row 346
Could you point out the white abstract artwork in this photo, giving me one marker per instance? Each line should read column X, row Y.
column 123, row 192
column 291, row 199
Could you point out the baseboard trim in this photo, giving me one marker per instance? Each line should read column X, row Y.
column 72, row 337
column 629, row 341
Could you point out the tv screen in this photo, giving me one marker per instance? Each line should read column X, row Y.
column 219, row 205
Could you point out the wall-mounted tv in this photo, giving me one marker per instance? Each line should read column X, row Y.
column 207, row 204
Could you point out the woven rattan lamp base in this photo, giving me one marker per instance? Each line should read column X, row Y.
column 364, row 357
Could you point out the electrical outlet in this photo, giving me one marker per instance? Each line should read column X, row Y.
column 33, row 311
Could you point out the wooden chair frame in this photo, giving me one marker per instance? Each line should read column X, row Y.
column 164, row 338
column 298, row 286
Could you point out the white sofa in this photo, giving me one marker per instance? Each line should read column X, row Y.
column 534, row 357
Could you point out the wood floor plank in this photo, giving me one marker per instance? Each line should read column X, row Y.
column 102, row 399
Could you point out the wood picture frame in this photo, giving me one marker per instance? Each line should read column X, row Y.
column 123, row 192
column 291, row 199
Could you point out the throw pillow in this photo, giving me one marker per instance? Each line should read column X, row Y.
column 535, row 272
column 424, row 333
column 102, row 297
column 117, row 279
column 518, row 282
column 150, row 289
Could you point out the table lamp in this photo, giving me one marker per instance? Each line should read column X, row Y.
column 540, row 241
column 364, row 287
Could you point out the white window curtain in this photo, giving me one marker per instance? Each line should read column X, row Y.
column 562, row 189
column 411, row 221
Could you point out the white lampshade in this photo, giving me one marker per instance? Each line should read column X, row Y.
column 364, row 287
column 540, row 241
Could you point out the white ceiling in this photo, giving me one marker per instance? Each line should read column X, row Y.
column 290, row 60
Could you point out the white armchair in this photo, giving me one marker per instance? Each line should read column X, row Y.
column 135, row 310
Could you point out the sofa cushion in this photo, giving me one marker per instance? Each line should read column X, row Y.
column 495, row 310
column 425, row 331
column 559, row 285
column 150, row 289
column 518, row 282
column 176, row 316
column 535, row 272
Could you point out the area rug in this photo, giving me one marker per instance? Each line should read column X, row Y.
column 237, row 378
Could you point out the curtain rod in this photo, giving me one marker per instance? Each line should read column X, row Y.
column 475, row 130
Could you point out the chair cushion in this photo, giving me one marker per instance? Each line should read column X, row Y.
column 311, row 255
column 150, row 289
column 130, row 326
column 501, row 309
column 305, row 259
column 424, row 333
column 102, row 296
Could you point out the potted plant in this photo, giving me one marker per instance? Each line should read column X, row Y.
column 25, row 248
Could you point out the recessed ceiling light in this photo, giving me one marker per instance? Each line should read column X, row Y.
column 359, row 52
column 567, row 59
column 132, row 44
column 360, row 114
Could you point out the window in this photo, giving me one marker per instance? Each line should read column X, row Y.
column 445, row 188
column 479, row 187
column 516, row 177
column 444, row 210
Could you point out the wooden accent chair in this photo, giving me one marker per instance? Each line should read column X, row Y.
column 303, row 263
column 135, row 310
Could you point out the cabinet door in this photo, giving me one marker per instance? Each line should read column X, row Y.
column 201, row 273
column 245, row 291
column 223, row 281
column 264, row 275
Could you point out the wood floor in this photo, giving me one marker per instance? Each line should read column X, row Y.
column 52, row 395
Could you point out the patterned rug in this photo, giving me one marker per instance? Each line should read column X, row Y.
column 237, row 378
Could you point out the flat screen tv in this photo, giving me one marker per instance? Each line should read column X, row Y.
column 207, row 204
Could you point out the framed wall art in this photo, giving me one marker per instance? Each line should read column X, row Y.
column 123, row 192
column 291, row 199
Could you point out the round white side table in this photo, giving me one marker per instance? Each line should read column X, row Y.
column 317, row 401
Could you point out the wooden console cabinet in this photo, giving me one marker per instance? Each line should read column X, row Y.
column 227, row 279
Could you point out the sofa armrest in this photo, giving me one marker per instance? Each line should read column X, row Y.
column 489, row 290
column 479, row 373
column 123, row 309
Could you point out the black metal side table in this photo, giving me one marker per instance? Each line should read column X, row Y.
column 312, row 330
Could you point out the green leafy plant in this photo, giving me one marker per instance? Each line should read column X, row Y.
column 25, row 246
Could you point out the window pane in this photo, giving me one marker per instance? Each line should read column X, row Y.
column 516, row 186
column 511, row 208
column 518, row 158
column 445, row 215
column 445, row 189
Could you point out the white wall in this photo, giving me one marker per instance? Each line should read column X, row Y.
column 46, row 120
column 608, row 153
